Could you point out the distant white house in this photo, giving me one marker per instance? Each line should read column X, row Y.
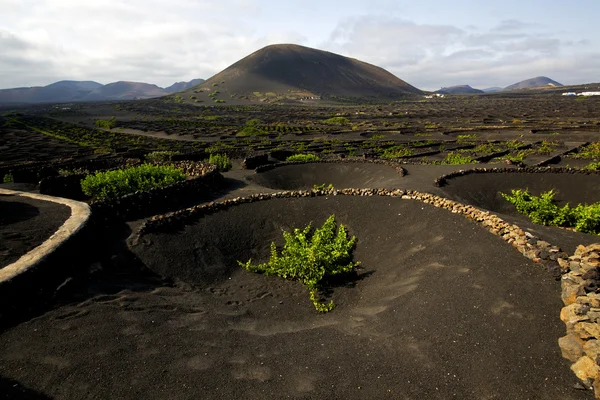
column 434, row 95
column 581, row 94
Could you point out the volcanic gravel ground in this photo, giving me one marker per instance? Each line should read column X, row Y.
column 440, row 309
column 26, row 223
column 340, row 175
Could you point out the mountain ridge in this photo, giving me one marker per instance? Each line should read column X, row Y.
column 72, row 91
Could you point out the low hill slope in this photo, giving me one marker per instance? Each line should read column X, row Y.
column 459, row 89
column 537, row 82
column 56, row 92
column 289, row 71
column 125, row 91
column 179, row 86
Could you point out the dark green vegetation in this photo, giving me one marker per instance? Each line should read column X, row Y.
column 252, row 128
column 337, row 121
column 397, row 152
column 311, row 257
column 544, row 210
column 590, row 151
column 323, row 186
column 106, row 124
column 117, row 183
column 456, row 158
column 222, row 161
column 303, row 157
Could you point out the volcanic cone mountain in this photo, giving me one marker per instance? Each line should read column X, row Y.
column 293, row 72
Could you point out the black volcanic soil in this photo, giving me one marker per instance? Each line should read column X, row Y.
column 340, row 175
column 424, row 321
column 26, row 223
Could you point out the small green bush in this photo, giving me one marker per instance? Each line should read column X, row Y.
column 303, row 157
column 252, row 128
column 106, row 124
column 337, row 121
column 222, row 161
column 161, row 156
column 591, row 150
column 117, row 183
column 8, row 178
column 544, row 210
column 466, row 138
column 323, row 186
column 397, row 152
column 311, row 258
column 594, row 166
column 454, row 158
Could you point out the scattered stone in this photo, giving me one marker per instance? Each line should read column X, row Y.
column 571, row 347
column 586, row 369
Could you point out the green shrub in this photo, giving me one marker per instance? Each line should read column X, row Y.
column 222, row 161
column 337, row 121
column 252, row 128
column 161, row 156
column 594, row 166
column 547, row 147
column 591, row 150
column 397, row 152
column 323, row 186
column 455, row 158
column 466, row 138
column 303, row 157
column 106, row 124
column 117, row 183
column 311, row 258
column 519, row 156
column 544, row 210
column 8, row 178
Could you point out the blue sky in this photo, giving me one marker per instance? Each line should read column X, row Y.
column 429, row 44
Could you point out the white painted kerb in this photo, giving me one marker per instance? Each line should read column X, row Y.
column 80, row 213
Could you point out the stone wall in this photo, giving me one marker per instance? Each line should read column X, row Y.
column 581, row 314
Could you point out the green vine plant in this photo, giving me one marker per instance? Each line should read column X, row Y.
column 311, row 258
column 544, row 210
column 323, row 186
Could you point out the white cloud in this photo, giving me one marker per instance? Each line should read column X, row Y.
column 139, row 40
column 161, row 42
column 432, row 56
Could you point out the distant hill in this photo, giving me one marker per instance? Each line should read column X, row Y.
column 537, row 82
column 125, row 91
column 459, row 89
column 59, row 92
column 179, row 86
column 71, row 91
column 288, row 71
column 492, row 89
